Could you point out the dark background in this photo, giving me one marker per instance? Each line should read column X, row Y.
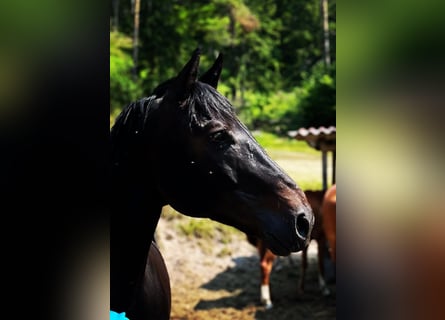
column 54, row 156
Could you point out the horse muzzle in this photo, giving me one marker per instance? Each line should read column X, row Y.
column 292, row 236
column 304, row 222
column 303, row 228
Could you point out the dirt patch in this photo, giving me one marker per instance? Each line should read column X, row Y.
column 219, row 280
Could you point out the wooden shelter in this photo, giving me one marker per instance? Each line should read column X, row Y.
column 322, row 139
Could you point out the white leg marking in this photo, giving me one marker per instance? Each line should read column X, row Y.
column 265, row 296
column 323, row 286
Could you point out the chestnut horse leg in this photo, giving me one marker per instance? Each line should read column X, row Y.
column 321, row 243
column 266, row 262
column 321, row 279
column 329, row 219
column 315, row 199
column 303, row 270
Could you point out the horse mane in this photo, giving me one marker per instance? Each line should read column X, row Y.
column 203, row 103
column 135, row 115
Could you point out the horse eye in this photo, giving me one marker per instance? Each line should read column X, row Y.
column 220, row 136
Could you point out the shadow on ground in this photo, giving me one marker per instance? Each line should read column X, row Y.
column 242, row 282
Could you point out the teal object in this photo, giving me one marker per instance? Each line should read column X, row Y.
column 118, row 316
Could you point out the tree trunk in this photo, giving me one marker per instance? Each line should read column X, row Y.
column 116, row 15
column 137, row 5
column 327, row 54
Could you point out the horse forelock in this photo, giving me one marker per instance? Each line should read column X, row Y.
column 205, row 103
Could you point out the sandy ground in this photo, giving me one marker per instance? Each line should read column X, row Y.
column 214, row 279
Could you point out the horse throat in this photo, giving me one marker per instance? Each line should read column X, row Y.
column 135, row 212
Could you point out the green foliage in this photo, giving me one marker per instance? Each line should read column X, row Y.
column 273, row 50
column 123, row 89
column 266, row 111
column 317, row 104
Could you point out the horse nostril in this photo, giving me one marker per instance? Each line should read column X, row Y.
column 303, row 226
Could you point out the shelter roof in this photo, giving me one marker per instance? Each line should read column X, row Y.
column 321, row 138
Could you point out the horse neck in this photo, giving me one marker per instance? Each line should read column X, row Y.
column 137, row 207
column 137, row 204
column 135, row 212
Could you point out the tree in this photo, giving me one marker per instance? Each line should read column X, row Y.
column 326, row 42
column 137, row 6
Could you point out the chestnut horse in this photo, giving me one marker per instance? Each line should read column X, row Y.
column 267, row 258
column 184, row 146
column 329, row 214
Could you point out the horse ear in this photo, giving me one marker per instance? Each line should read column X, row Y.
column 185, row 79
column 211, row 77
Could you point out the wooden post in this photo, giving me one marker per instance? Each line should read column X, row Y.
column 324, row 168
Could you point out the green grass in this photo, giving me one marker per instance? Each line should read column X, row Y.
column 206, row 229
column 198, row 228
column 206, row 232
column 300, row 161
column 270, row 141
column 201, row 228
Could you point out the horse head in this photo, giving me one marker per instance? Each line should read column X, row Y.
column 206, row 163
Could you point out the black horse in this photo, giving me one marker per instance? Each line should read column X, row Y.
column 184, row 146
